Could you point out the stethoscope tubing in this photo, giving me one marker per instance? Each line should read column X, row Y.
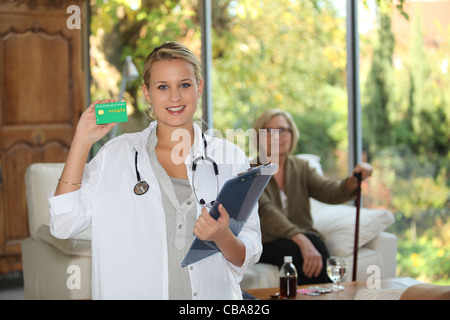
column 142, row 186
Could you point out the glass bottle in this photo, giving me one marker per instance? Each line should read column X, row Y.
column 288, row 279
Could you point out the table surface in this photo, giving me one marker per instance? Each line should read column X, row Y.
column 351, row 288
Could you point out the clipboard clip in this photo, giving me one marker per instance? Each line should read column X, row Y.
column 258, row 169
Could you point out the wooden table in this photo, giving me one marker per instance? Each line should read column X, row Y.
column 351, row 288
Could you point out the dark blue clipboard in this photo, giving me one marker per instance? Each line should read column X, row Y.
column 239, row 196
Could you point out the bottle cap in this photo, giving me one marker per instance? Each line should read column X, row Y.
column 287, row 259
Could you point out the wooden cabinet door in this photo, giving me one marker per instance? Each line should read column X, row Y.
column 42, row 94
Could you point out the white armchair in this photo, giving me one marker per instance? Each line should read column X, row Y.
column 52, row 268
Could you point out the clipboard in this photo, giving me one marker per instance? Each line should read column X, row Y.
column 239, row 196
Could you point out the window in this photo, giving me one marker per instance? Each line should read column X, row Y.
column 405, row 117
column 289, row 55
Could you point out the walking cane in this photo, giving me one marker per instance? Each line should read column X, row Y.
column 358, row 176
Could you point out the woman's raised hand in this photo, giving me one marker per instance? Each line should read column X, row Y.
column 88, row 131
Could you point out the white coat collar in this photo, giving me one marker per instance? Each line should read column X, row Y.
column 197, row 149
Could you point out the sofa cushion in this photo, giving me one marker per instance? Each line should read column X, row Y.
column 260, row 275
column 77, row 245
column 337, row 224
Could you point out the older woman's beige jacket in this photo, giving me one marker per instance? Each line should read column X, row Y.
column 301, row 183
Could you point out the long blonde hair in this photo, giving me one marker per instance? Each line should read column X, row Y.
column 268, row 114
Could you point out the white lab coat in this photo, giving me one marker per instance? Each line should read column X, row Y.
column 129, row 249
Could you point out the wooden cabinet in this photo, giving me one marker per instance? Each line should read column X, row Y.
column 43, row 87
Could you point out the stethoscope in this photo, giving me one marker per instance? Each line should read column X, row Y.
column 142, row 186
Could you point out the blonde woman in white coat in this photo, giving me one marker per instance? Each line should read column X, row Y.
column 138, row 241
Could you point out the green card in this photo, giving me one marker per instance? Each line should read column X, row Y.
column 111, row 112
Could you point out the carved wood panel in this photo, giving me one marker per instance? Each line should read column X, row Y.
column 42, row 93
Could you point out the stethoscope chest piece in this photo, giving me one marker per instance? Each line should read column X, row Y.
column 140, row 188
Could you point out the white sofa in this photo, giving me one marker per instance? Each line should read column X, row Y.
column 61, row 269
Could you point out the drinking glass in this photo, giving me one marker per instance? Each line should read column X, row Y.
column 336, row 270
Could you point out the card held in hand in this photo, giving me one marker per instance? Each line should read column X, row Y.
column 111, row 112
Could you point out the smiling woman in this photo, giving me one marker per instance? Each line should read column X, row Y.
column 173, row 90
column 159, row 223
column 172, row 87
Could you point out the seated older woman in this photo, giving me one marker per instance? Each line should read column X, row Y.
column 284, row 209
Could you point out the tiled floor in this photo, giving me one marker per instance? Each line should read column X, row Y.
column 11, row 287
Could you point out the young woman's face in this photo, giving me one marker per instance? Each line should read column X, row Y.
column 173, row 92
